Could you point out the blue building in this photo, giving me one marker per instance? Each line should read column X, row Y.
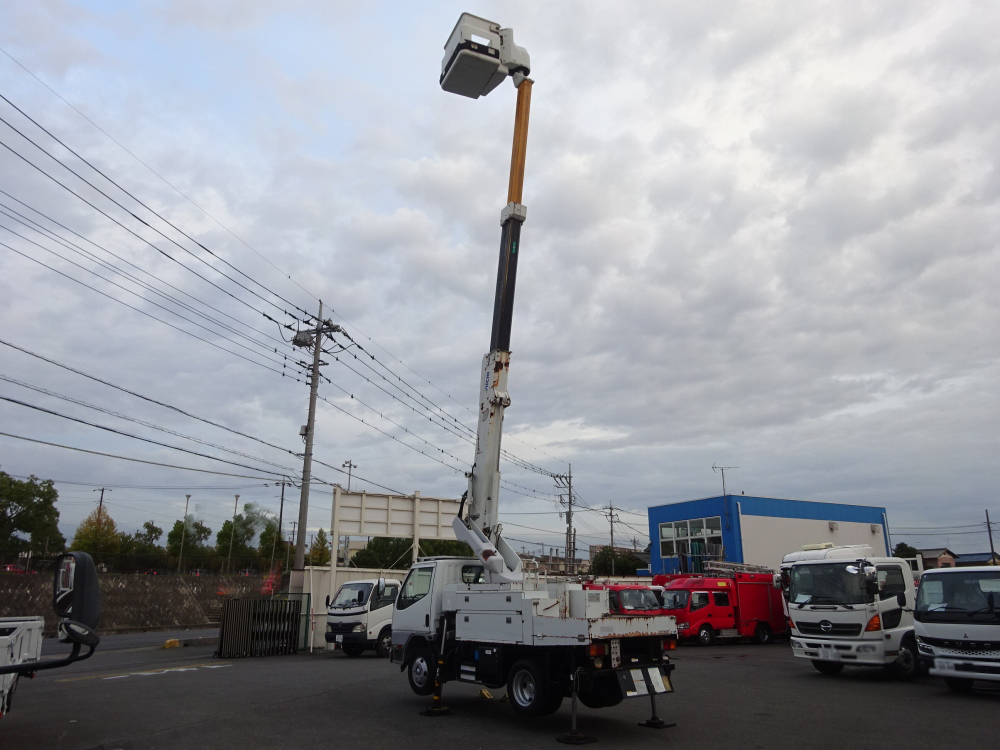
column 756, row 530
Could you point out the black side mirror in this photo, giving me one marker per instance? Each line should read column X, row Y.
column 328, row 601
column 871, row 586
column 901, row 599
column 76, row 592
column 990, row 601
column 361, row 597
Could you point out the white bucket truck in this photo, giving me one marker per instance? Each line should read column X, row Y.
column 958, row 625
column 849, row 608
column 359, row 616
column 479, row 619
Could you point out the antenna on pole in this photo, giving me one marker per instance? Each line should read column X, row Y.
column 723, row 469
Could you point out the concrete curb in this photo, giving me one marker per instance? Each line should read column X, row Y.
column 185, row 642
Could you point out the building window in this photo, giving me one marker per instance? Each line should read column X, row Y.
column 702, row 534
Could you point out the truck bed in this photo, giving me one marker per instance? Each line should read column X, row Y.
column 20, row 643
column 557, row 615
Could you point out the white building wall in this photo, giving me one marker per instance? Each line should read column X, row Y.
column 766, row 539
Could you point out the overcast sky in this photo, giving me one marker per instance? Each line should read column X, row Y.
column 759, row 235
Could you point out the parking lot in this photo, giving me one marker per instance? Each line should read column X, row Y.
column 135, row 694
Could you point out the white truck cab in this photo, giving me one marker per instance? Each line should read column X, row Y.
column 359, row 616
column 958, row 625
column 848, row 608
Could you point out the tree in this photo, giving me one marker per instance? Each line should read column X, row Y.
column 98, row 534
column 904, row 550
column 248, row 523
column 142, row 542
column 28, row 515
column 319, row 550
column 625, row 563
column 453, row 547
column 194, row 538
column 269, row 544
column 385, row 552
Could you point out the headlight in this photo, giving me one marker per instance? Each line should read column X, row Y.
column 683, row 625
column 796, row 644
column 924, row 648
column 359, row 628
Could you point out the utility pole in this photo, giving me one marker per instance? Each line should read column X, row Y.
column 281, row 513
column 303, row 339
column 184, row 523
column 565, row 481
column 612, row 517
column 232, row 536
column 989, row 530
column 350, row 467
column 100, row 517
column 723, row 470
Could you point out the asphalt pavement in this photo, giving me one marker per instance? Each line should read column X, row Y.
column 133, row 695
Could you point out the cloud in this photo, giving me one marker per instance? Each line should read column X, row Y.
column 756, row 235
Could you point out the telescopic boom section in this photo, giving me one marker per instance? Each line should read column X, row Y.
column 483, row 530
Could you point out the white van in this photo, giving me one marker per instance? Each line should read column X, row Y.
column 958, row 625
column 359, row 617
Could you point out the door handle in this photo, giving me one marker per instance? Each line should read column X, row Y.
column 427, row 621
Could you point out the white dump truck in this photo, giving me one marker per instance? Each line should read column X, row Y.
column 849, row 608
column 958, row 625
column 359, row 616
column 77, row 602
column 480, row 619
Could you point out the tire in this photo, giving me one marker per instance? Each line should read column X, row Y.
column 763, row 634
column 353, row 651
column 828, row 667
column 706, row 636
column 528, row 688
column 420, row 672
column 906, row 667
column 606, row 693
column 383, row 646
column 958, row 684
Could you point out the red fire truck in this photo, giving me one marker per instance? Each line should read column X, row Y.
column 738, row 605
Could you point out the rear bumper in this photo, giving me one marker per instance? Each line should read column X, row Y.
column 965, row 669
column 870, row 653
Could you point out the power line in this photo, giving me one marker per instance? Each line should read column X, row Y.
column 164, row 179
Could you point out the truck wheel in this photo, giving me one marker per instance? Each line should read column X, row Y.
column 421, row 672
column 905, row 667
column 763, row 634
column 706, row 636
column 605, row 693
column 828, row 667
column 958, row 684
column 353, row 651
column 383, row 646
column 528, row 688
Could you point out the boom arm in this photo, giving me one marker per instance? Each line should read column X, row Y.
column 481, row 528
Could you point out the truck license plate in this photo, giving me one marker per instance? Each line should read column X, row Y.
column 945, row 664
column 829, row 653
column 340, row 639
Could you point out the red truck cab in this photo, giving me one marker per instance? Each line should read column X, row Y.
column 629, row 598
column 743, row 605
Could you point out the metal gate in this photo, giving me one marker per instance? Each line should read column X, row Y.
column 259, row 627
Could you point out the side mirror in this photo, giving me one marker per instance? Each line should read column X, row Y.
column 776, row 580
column 901, row 599
column 872, row 587
column 361, row 597
column 76, row 592
column 328, row 601
column 381, row 587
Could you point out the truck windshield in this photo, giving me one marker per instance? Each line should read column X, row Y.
column 638, row 599
column 965, row 597
column 826, row 583
column 352, row 595
column 675, row 599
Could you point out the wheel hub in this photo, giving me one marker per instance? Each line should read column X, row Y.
column 523, row 688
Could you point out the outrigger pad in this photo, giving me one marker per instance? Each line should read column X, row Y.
column 643, row 681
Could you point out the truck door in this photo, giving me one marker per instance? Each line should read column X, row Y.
column 721, row 611
column 700, row 604
column 412, row 613
column 892, row 583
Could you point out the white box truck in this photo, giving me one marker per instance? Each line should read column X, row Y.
column 359, row 616
column 958, row 625
column 849, row 608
